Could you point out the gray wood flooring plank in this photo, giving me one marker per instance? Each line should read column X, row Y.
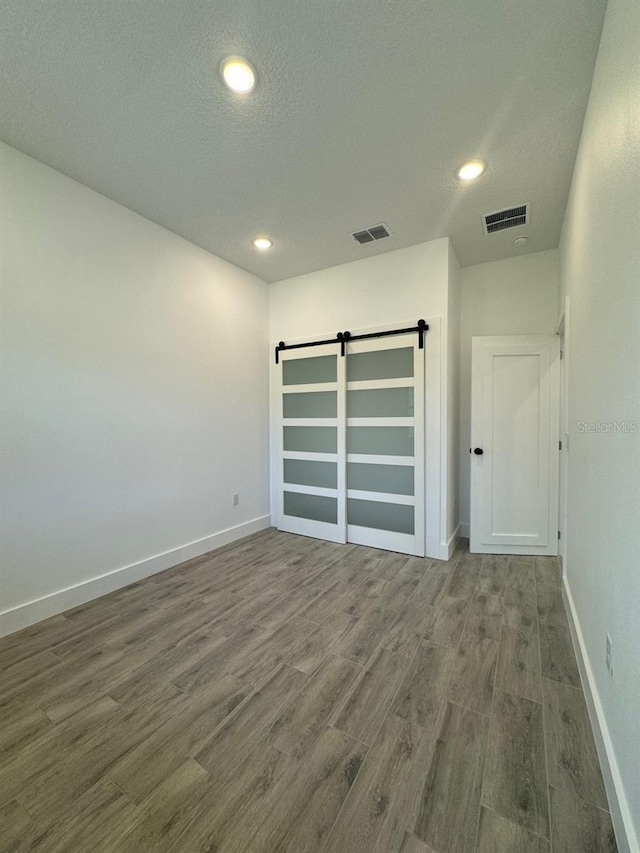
column 572, row 761
column 409, row 629
column 147, row 624
column 485, row 616
column 88, row 825
column 299, row 726
column 17, row 735
column 234, row 739
column 94, row 637
column 446, row 621
column 226, row 816
column 65, row 702
column 337, row 572
column 136, row 685
column 151, row 593
column 557, row 655
column 550, row 605
column 57, row 788
column 515, row 780
column 496, row 834
column 145, row 766
column 520, row 588
column 15, row 826
column 370, row 591
column 209, row 616
column 326, row 603
column 513, row 616
column 400, row 589
column 300, row 820
column 256, row 665
column 353, row 574
column 361, row 640
column 579, row 827
column 418, row 566
column 96, row 718
column 279, row 612
column 89, row 614
column 518, row 669
column 390, row 566
column 370, row 696
column 385, row 798
column 450, row 800
column 36, row 638
column 248, row 611
column 152, row 827
column 317, row 645
column 473, row 673
column 465, row 576
column 233, row 653
column 22, row 672
column 432, row 586
column 422, row 692
column 412, row 844
column 492, row 576
column 137, row 595
column 548, row 571
column 52, row 683
column 50, row 745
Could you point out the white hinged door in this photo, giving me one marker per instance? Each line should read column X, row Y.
column 514, row 445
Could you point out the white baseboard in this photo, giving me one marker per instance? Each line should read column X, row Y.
column 464, row 531
column 451, row 544
column 57, row 602
column 618, row 803
column 445, row 550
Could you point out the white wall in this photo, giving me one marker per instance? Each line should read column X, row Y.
column 516, row 296
column 379, row 292
column 401, row 285
column 600, row 272
column 134, row 394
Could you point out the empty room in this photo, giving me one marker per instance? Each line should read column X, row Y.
column 320, row 426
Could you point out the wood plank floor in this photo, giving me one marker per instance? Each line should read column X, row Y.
column 289, row 694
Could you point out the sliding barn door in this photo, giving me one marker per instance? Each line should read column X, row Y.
column 351, row 434
column 385, row 444
column 312, row 443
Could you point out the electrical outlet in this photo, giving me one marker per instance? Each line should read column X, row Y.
column 609, row 655
column 236, row 499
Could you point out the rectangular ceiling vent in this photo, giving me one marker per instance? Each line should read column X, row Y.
column 511, row 217
column 368, row 235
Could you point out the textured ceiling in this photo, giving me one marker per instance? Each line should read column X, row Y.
column 363, row 111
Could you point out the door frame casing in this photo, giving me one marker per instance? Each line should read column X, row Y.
column 563, row 332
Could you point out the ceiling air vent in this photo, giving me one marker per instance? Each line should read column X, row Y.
column 368, row 235
column 511, row 217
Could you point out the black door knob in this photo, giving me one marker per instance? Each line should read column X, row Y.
column 478, row 451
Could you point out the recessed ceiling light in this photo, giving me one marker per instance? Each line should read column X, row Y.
column 238, row 75
column 262, row 243
column 471, row 169
column 520, row 241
